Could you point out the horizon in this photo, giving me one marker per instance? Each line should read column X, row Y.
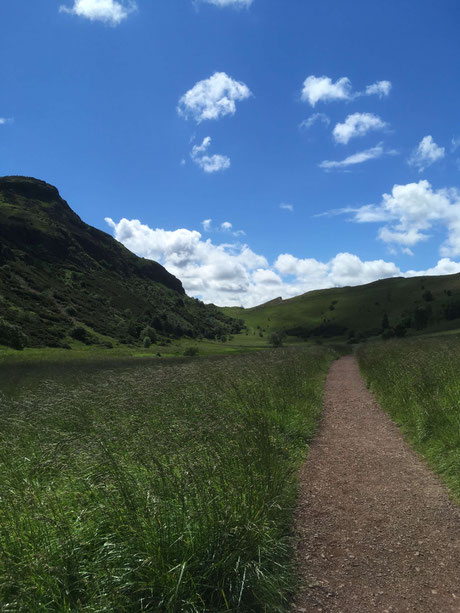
column 250, row 170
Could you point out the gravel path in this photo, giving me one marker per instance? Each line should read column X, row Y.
column 375, row 529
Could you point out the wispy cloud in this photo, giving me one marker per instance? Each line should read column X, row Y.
column 209, row 163
column 357, row 158
column 426, row 153
column 455, row 143
column 315, row 118
column 230, row 3
column 287, row 207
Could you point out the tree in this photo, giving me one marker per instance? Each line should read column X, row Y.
column 276, row 339
column 385, row 322
column 147, row 342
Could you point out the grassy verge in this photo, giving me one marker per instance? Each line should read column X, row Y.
column 157, row 489
column 418, row 383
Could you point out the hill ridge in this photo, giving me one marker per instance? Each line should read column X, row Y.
column 57, row 272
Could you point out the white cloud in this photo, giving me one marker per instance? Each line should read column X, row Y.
column 323, row 89
column 209, row 163
column 356, row 158
column 112, row 12
column 315, row 118
column 287, row 207
column 226, row 226
column 207, row 224
column 232, row 274
column 357, row 124
column 232, row 3
column 317, row 89
column 213, row 98
column 445, row 266
column 455, row 144
column 426, row 154
column 411, row 211
column 381, row 89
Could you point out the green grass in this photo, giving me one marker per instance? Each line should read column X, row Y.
column 417, row 382
column 359, row 309
column 155, row 487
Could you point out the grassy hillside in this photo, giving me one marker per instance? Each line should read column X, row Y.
column 64, row 282
column 399, row 306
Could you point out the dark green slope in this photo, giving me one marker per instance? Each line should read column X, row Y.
column 411, row 305
column 58, row 273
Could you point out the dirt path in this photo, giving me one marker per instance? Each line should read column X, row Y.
column 375, row 529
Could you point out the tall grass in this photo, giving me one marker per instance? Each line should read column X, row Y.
column 157, row 489
column 418, row 383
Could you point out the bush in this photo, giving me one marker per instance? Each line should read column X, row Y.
column 191, row 351
column 12, row 336
column 149, row 332
column 276, row 339
column 81, row 334
column 147, row 342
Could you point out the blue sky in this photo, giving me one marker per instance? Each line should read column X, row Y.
column 256, row 148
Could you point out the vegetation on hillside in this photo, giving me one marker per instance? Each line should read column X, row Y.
column 156, row 488
column 62, row 280
column 391, row 307
column 417, row 382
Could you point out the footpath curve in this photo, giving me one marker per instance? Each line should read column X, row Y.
column 375, row 530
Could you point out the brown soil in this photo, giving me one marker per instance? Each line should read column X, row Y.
column 375, row 528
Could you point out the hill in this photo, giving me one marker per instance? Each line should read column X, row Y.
column 63, row 280
column 395, row 306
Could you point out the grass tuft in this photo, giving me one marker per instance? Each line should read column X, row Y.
column 157, row 489
column 417, row 383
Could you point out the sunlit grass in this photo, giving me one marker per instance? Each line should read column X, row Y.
column 149, row 488
column 418, row 383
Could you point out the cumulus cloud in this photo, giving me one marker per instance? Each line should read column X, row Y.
column 287, row 207
column 233, row 274
column 426, row 153
column 212, row 98
column 411, row 211
column 315, row 118
column 112, row 12
column 357, row 124
column 381, row 89
column 209, row 163
column 232, row 3
column 207, row 225
column 352, row 160
column 323, row 89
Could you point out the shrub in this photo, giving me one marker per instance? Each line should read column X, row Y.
column 12, row 336
column 149, row 332
column 191, row 351
column 147, row 342
column 276, row 339
column 81, row 334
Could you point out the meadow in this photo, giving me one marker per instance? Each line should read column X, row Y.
column 151, row 486
column 417, row 382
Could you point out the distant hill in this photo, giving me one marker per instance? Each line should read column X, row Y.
column 61, row 280
column 390, row 307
